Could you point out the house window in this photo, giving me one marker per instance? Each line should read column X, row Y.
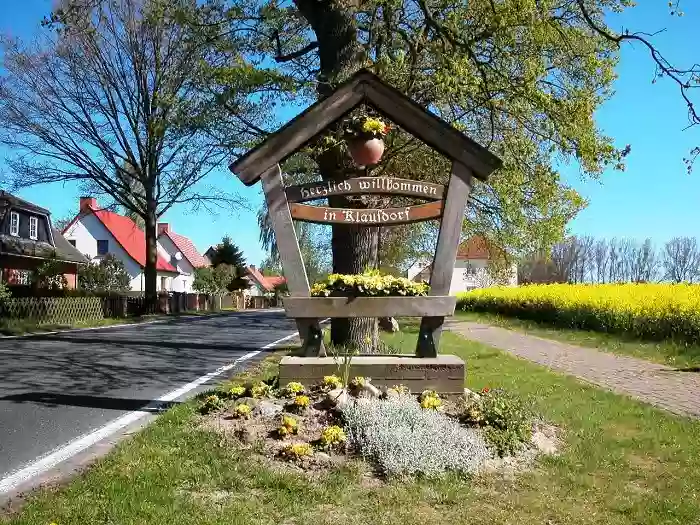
column 102, row 247
column 14, row 223
column 470, row 270
column 33, row 228
column 23, row 277
column 72, row 241
column 163, row 281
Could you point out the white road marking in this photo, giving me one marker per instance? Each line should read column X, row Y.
column 61, row 454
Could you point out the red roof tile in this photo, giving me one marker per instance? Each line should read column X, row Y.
column 188, row 249
column 127, row 233
column 275, row 280
column 473, row 248
column 259, row 278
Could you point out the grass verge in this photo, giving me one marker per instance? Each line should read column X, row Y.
column 624, row 463
column 678, row 355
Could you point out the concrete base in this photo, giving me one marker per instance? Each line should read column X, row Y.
column 444, row 374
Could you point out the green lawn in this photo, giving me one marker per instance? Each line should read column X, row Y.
column 670, row 353
column 624, row 463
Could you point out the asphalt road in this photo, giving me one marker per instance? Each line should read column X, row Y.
column 55, row 388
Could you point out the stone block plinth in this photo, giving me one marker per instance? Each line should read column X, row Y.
column 444, row 374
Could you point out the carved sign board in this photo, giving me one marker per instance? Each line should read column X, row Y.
column 368, row 217
column 365, row 185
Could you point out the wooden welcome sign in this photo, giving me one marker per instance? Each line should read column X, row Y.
column 285, row 205
column 364, row 186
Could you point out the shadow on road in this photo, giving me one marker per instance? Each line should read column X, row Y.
column 110, row 403
column 138, row 361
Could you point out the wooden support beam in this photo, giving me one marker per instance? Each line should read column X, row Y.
column 340, row 307
column 292, row 262
column 445, row 255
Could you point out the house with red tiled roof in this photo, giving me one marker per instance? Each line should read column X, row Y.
column 261, row 284
column 184, row 256
column 97, row 232
column 473, row 256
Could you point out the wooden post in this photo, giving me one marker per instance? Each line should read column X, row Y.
column 445, row 255
column 292, row 262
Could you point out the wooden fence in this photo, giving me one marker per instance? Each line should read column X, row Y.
column 68, row 310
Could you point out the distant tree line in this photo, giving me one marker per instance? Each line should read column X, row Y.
column 589, row 260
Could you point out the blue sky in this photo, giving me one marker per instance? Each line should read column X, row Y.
column 654, row 197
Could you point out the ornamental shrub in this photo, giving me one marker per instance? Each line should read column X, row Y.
column 642, row 310
column 506, row 421
column 430, row 400
column 332, row 436
column 242, row 411
column 293, row 388
column 331, row 382
column 259, row 390
column 402, row 438
column 301, row 402
column 236, row 391
column 289, row 426
column 211, row 403
column 368, row 284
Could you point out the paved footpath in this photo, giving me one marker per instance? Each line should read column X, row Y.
column 659, row 385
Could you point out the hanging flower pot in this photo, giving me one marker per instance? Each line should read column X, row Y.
column 366, row 152
column 364, row 136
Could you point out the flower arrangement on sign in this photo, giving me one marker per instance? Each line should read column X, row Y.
column 364, row 136
column 368, row 284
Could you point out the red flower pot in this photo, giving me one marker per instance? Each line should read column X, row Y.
column 366, row 152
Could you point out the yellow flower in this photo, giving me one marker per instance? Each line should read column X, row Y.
column 331, row 382
column 644, row 310
column 237, row 391
column 430, row 399
column 289, row 426
column 242, row 410
column 297, row 450
column 293, row 388
column 259, row 390
column 333, row 435
column 302, row 401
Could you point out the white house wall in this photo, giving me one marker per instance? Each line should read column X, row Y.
column 183, row 282
column 461, row 280
column 89, row 229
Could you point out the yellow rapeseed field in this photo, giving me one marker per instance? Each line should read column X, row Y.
column 648, row 311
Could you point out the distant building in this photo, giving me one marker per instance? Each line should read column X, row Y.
column 260, row 284
column 469, row 272
column 183, row 256
column 96, row 232
column 28, row 240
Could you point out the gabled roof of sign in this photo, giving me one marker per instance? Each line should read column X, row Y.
column 365, row 87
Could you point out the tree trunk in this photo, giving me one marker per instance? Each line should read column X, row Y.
column 150, row 272
column 354, row 248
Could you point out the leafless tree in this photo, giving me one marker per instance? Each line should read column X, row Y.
column 644, row 262
column 601, row 261
column 111, row 84
column 681, row 259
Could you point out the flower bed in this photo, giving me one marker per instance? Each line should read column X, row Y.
column 368, row 284
column 646, row 311
column 398, row 433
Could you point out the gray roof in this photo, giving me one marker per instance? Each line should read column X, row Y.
column 65, row 251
